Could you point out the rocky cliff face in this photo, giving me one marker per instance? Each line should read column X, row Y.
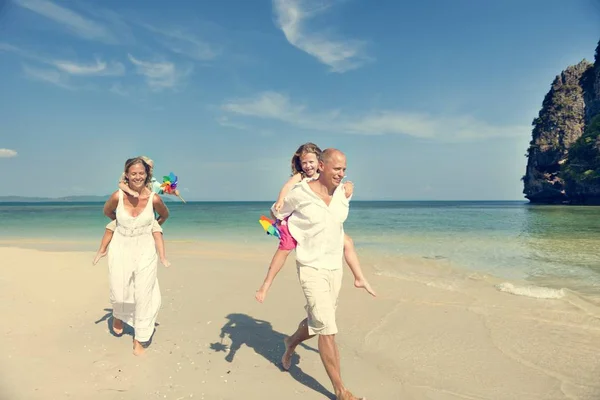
column 591, row 86
column 569, row 108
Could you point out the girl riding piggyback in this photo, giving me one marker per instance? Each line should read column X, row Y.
column 305, row 166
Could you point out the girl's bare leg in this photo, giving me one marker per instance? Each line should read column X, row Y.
column 352, row 260
column 276, row 264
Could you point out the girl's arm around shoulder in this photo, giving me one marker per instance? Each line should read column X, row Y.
column 161, row 209
column 348, row 189
column 293, row 181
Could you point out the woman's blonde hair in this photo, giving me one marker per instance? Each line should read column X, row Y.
column 306, row 148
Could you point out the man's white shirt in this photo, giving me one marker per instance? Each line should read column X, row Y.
column 318, row 228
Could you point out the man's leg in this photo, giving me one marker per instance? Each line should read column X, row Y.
column 329, row 356
column 291, row 342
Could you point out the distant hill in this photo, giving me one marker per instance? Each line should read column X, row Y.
column 66, row 199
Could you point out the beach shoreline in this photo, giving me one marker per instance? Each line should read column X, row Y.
column 450, row 336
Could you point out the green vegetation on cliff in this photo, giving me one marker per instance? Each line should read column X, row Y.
column 582, row 168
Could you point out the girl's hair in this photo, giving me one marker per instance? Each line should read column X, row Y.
column 306, row 148
column 138, row 160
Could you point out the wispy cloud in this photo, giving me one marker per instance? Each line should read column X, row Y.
column 72, row 21
column 47, row 75
column 159, row 75
column 7, row 153
column 276, row 106
column 98, row 68
column 185, row 43
column 339, row 54
column 228, row 123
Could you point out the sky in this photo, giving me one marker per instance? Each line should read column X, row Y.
column 429, row 100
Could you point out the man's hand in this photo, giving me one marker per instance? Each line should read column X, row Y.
column 348, row 188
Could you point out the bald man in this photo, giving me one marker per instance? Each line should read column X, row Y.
column 317, row 211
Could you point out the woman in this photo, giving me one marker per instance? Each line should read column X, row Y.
column 132, row 258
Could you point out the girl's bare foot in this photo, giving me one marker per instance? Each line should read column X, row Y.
column 138, row 349
column 363, row 284
column 260, row 295
column 117, row 326
column 99, row 255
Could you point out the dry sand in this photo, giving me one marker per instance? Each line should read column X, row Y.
column 432, row 333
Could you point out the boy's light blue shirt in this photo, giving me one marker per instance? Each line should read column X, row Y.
column 155, row 186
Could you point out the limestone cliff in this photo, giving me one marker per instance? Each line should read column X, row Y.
column 561, row 158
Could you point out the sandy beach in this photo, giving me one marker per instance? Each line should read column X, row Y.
column 432, row 333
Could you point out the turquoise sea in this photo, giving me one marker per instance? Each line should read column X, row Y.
column 549, row 246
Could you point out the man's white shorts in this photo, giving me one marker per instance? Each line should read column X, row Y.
column 321, row 288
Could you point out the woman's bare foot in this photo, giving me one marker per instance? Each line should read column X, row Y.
column 286, row 359
column 138, row 349
column 99, row 255
column 363, row 284
column 117, row 326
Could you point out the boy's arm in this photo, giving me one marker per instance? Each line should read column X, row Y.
column 161, row 209
column 125, row 187
column 293, row 181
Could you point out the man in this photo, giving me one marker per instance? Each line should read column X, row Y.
column 317, row 211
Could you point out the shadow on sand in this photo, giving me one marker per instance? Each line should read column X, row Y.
column 260, row 336
column 127, row 330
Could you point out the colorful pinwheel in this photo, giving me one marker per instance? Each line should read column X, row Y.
column 169, row 185
column 269, row 226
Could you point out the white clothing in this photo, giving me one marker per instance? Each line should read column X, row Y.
column 132, row 264
column 318, row 228
column 321, row 289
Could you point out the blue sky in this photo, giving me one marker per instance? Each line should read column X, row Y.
column 428, row 99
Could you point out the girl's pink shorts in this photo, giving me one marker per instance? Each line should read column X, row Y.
column 286, row 240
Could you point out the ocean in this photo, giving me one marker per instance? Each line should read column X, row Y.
column 546, row 246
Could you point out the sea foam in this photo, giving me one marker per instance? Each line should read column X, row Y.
column 537, row 292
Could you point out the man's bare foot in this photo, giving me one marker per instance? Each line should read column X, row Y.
column 138, row 349
column 286, row 359
column 346, row 395
column 165, row 262
column 117, row 326
column 99, row 255
column 363, row 284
